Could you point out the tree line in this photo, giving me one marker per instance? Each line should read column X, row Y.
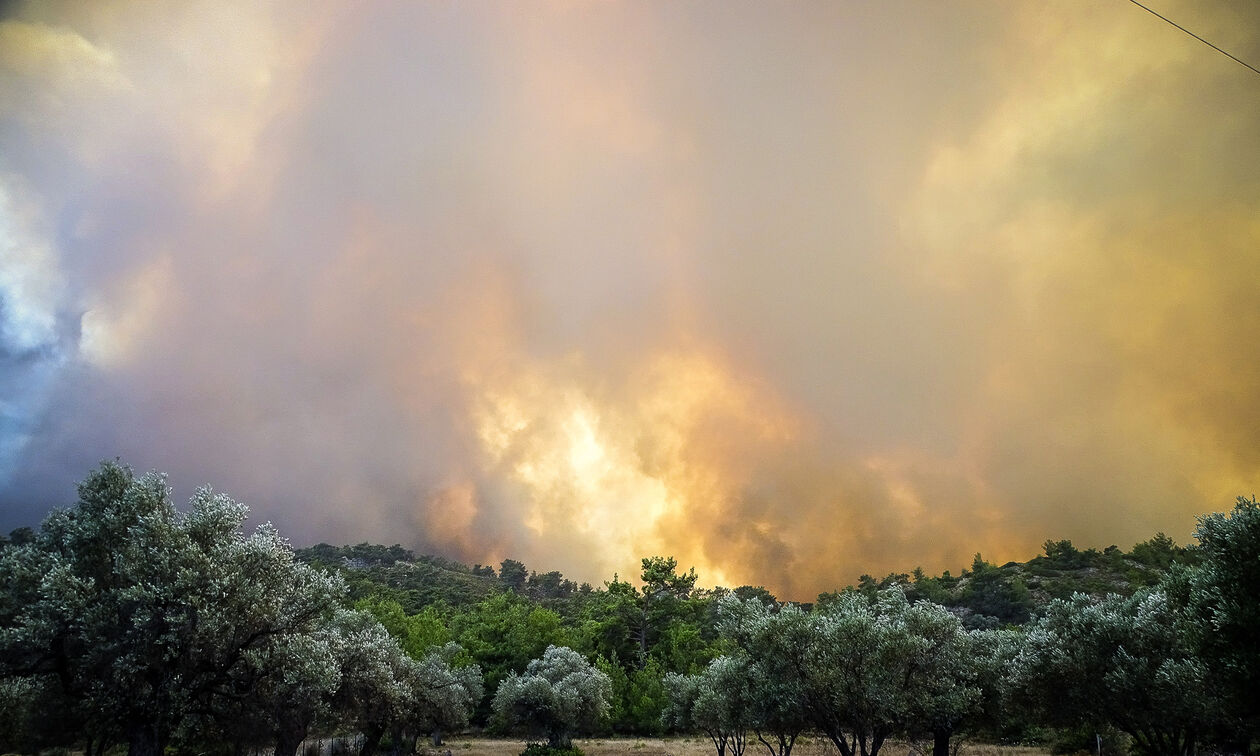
column 126, row 623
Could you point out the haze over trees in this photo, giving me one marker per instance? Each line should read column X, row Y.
column 126, row 622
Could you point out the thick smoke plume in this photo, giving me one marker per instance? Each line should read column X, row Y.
column 790, row 292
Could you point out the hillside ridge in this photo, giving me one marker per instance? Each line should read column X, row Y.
column 984, row 595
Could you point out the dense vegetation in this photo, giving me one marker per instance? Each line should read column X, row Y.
column 125, row 622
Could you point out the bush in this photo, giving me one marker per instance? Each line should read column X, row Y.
column 542, row 749
column 559, row 695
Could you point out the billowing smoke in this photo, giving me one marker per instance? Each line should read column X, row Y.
column 792, row 293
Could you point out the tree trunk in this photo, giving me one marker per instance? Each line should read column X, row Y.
column 144, row 740
column 785, row 744
column 289, row 738
column 719, row 744
column 841, row 743
column 99, row 747
column 782, row 745
column 559, row 739
column 437, row 737
column 1187, row 745
column 372, row 735
column 940, row 741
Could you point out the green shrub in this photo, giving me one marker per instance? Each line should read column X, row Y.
column 542, row 749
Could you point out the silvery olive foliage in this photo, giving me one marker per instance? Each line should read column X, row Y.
column 858, row 670
column 993, row 655
column 284, row 690
column 777, row 712
column 382, row 690
column 947, row 668
column 373, row 694
column 444, row 693
column 1127, row 662
column 717, row 702
column 147, row 619
column 1222, row 601
column 127, row 621
column 559, row 695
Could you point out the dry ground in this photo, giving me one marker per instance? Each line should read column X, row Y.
column 699, row 746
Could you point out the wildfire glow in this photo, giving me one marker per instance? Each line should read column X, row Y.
column 609, row 471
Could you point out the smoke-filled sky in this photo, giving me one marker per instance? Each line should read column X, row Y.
column 790, row 291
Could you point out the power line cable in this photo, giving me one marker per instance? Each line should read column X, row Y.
column 1196, row 36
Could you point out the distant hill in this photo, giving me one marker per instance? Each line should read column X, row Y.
column 985, row 595
column 991, row 596
column 399, row 574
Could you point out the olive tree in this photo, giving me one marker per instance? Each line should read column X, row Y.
column 145, row 618
column 558, row 695
column 776, row 703
column 946, row 668
column 776, row 709
column 716, row 701
column 859, row 669
column 443, row 693
column 993, row 654
column 1126, row 662
column 286, row 688
column 373, row 694
column 1226, row 614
